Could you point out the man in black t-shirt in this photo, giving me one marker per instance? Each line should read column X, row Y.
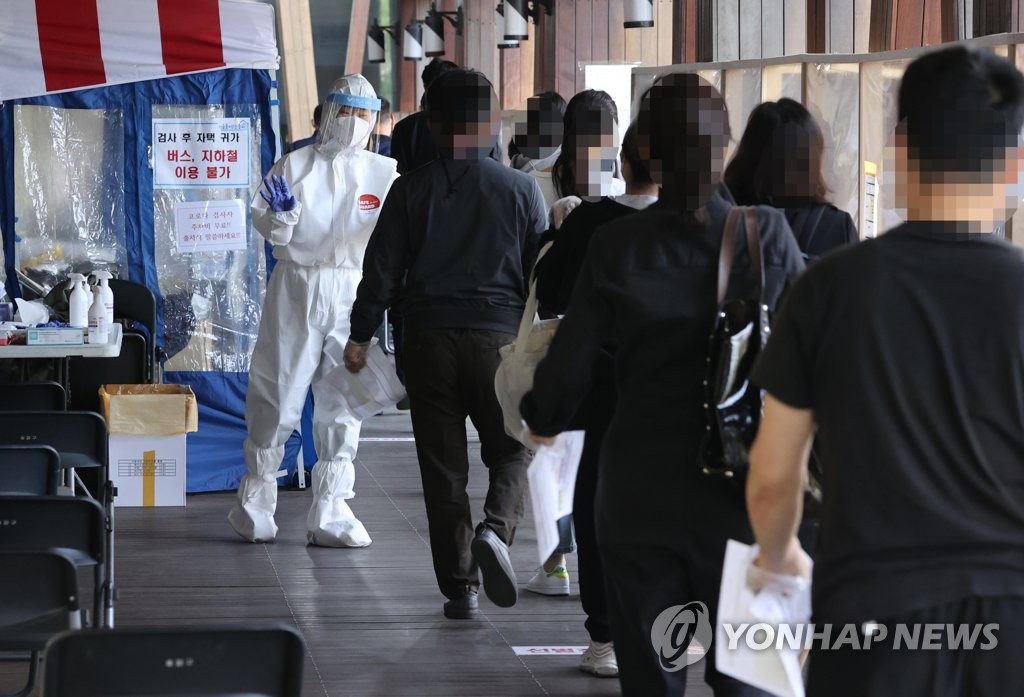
column 907, row 354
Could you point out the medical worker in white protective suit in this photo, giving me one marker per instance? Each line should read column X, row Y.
column 318, row 208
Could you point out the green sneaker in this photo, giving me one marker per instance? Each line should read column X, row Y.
column 554, row 583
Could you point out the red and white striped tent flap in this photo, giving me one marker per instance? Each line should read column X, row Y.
column 59, row 45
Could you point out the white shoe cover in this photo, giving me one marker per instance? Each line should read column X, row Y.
column 331, row 523
column 252, row 515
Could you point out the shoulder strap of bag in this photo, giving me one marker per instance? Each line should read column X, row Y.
column 727, row 252
column 754, row 250
column 530, row 310
column 815, row 224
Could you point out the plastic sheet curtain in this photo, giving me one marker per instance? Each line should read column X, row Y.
column 212, row 299
column 833, row 98
column 68, row 179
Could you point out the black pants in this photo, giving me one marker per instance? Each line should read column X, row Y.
column 449, row 375
column 646, row 575
column 599, row 409
column 882, row 670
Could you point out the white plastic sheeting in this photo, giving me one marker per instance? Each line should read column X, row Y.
column 68, row 184
column 212, row 298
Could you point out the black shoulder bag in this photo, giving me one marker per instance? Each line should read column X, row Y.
column 732, row 403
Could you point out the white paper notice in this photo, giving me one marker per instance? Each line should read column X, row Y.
column 552, row 476
column 773, row 669
column 210, row 226
column 191, row 153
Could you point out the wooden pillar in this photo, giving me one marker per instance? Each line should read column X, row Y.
column 997, row 17
column 898, row 24
column 408, row 76
column 692, row 31
column 357, row 28
column 298, row 73
column 817, row 28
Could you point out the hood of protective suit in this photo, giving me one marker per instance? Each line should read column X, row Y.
column 349, row 116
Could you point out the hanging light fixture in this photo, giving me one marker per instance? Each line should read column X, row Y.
column 412, row 45
column 375, row 41
column 499, row 28
column 639, row 14
column 433, row 29
column 518, row 13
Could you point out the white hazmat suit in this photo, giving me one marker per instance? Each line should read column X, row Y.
column 338, row 187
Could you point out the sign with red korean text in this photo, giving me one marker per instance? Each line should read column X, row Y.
column 210, row 226
column 204, row 153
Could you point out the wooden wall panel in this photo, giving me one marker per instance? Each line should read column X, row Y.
column 773, row 28
column 933, row 19
column 584, row 40
column 817, row 28
column 795, row 21
column 663, row 25
column 727, row 31
column 565, row 48
column 616, row 32
column 451, row 40
column 749, row 23
column 408, row 76
column 861, row 25
column 909, row 23
column 600, row 26
column 633, row 45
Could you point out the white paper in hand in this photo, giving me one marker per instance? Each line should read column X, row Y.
column 552, row 477
column 777, row 671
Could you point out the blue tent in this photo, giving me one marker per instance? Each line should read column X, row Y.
column 215, row 459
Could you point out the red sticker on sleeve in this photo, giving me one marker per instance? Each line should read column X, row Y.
column 368, row 202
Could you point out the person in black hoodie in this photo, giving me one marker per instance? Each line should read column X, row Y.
column 648, row 286
column 778, row 162
column 451, row 252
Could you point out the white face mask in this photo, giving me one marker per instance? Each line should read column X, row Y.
column 351, row 131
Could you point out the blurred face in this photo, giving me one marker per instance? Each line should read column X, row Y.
column 541, row 134
column 472, row 130
column 595, row 164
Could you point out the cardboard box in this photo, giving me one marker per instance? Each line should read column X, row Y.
column 148, row 426
column 148, row 470
column 55, row 336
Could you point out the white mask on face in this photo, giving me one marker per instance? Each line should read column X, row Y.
column 352, row 131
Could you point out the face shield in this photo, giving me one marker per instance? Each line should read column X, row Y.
column 349, row 116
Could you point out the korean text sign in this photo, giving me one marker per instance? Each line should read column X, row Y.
column 201, row 153
column 210, row 226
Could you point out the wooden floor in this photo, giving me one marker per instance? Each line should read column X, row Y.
column 371, row 618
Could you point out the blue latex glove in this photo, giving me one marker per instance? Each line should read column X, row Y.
column 280, row 198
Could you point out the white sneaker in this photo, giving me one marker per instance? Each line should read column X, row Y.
column 599, row 659
column 553, row 583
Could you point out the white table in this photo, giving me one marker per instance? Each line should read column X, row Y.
column 111, row 349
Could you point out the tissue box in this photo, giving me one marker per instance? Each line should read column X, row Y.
column 55, row 336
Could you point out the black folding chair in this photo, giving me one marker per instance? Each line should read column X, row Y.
column 32, row 470
column 136, row 303
column 38, row 599
column 72, row 526
column 33, row 396
column 81, row 440
column 250, row 661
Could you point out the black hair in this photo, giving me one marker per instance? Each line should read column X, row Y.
column 317, row 113
column 640, row 175
column 960, row 109
column 385, row 107
column 682, row 131
column 587, row 114
column 435, row 69
column 457, row 99
column 544, row 124
column 779, row 157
